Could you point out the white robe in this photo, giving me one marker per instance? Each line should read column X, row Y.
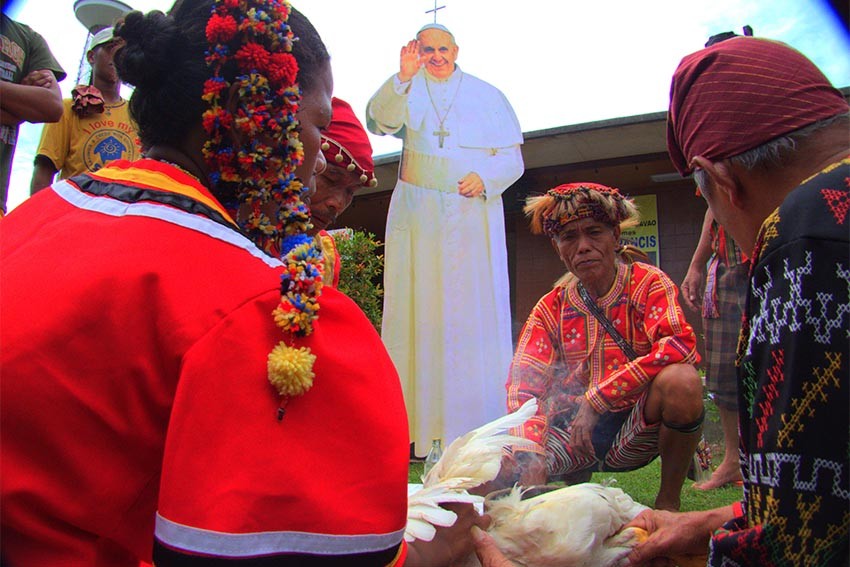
column 446, row 321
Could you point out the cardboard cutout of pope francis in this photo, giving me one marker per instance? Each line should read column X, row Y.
column 446, row 316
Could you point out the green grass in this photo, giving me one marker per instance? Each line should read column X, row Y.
column 642, row 485
column 414, row 474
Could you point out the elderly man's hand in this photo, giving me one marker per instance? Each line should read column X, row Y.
column 451, row 544
column 692, row 288
column 487, row 552
column 675, row 538
column 470, row 185
column 581, row 429
column 410, row 61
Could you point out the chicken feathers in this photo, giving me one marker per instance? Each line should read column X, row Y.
column 573, row 526
column 469, row 461
column 477, row 455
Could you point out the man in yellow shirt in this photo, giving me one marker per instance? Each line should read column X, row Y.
column 95, row 127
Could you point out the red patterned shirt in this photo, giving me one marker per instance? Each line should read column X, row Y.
column 565, row 353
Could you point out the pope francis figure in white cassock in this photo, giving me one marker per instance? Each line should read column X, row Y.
column 447, row 316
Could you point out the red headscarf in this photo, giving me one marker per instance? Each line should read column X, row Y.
column 346, row 144
column 741, row 93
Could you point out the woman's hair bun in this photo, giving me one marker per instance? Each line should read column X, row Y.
column 149, row 49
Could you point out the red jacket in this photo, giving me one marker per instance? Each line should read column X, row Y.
column 136, row 322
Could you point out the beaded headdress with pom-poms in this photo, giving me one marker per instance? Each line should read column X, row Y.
column 569, row 202
column 551, row 212
column 252, row 39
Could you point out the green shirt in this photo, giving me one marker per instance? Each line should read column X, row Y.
column 22, row 51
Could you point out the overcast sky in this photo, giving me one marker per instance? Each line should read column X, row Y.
column 559, row 62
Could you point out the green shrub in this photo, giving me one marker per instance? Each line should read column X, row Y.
column 361, row 271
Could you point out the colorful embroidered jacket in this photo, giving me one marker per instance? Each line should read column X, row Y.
column 565, row 353
column 794, row 385
column 136, row 324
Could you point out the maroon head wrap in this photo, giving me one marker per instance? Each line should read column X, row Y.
column 346, row 144
column 741, row 93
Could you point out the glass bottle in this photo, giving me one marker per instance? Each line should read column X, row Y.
column 434, row 455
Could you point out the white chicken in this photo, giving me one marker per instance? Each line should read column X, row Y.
column 469, row 461
column 573, row 526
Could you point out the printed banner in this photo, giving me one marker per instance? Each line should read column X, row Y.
column 645, row 235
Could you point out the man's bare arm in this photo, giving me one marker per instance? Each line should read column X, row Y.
column 36, row 99
column 694, row 283
column 42, row 174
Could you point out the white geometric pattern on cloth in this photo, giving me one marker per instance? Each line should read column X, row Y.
column 793, row 312
column 843, row 273
column 766, row 468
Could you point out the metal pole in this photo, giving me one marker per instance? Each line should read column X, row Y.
column 83, row 60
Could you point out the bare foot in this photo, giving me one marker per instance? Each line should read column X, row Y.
column 719, row 479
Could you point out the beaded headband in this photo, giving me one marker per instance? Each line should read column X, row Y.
column 254, row 35
column 346, row 143
column 335, row 151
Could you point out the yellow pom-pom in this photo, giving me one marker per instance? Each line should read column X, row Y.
column 291, row 369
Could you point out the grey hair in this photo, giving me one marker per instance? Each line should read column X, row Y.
column 703, row 181
column 772, row 153
column 775, row 151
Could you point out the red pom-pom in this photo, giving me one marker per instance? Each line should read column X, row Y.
column 208, row 122
column 252, row 56
column 220, row 29
column 210, row 117
column 214, row 86
column 283, row 69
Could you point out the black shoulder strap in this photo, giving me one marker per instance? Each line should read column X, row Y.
column 603, row 320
